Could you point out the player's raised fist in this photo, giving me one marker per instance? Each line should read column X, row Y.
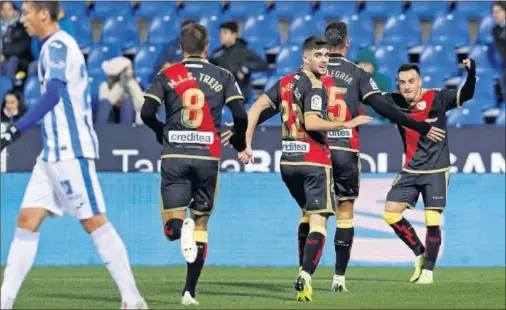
column 8, row 136
column 470, row 64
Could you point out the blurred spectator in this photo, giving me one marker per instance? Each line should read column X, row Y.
column 13, row 107
column 171, row 52
column 236, row 57
column 499, row 32
column 65, row 24
column 367, row 61
column 120, row 94
column 15, row 54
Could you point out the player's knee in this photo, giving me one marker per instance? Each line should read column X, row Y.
column 30, row 219
column 392, row 217
column 172, row 229
column 432, row 217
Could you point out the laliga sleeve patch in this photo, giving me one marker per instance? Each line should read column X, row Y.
column 373, row 84
column 316, row 102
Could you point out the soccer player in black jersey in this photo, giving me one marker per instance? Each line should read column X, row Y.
column 427, row 166
column 193, row 93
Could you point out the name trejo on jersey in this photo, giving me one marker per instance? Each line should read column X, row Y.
column 294, row 147
column 191, row 137
column 343, row 133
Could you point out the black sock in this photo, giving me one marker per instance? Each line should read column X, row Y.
column 407, row 233
column 432, row 243
column 313, row 251
column 343, row 240
column 303, row 231
column 194, row 269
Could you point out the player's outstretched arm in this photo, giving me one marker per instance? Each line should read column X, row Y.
column 149, row 117
column 313, row 122
column 265, row 115
column 467, row 90
column 45, row 103
column 240, row 118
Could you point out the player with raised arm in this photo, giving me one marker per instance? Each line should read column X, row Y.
column 427, row 165
column 347, row 85
column 306, row 168
column 64, row 176
column 193, row 93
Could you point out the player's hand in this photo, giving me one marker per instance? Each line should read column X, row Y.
column 470, row 65
column 8, row 136
column 359, row 120
column 436, row 134
column 225, row 136
column 246, row 156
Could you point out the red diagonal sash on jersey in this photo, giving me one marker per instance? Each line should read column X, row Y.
column 179, row 72
column 335, row 111
column 420, row 113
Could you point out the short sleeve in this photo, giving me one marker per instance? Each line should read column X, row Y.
column 314, row 101
column 367, row 85
column 450, row 98
column 273, row 96
column 155, row 90
column 56, row 61
column 232, row 90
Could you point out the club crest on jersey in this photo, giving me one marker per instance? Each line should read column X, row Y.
column 421, row 105
column 316, row 102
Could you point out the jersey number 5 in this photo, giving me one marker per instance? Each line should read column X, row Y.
column 193, row 102
column 337, row 107
column 291, row 122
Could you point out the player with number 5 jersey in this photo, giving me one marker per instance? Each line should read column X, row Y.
column 193, row 93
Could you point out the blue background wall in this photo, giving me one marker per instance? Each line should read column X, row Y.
column 255, row 223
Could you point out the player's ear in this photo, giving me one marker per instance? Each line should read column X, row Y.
column 348, row 42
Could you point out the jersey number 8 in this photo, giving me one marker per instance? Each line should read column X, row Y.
column 193, row 102
column 291, row 122
column 337, row 107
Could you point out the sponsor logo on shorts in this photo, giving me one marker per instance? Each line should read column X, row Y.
column 294, row 147
column 191, row 137
column 342, row 133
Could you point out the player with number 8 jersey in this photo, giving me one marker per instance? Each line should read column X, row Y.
column 193, row 93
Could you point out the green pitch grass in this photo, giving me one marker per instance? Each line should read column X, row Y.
column 259, row 288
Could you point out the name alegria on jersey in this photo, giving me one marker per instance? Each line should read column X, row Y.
column 342, row 133
column 191, row 137
column 205, row 78
column 294, row 147
column 340, row 75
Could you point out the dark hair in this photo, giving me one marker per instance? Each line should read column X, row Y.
column 194, row 38
column 19, row 97
column 52, row 6
column 500, row 4
column 336, row 33
column 232, row 26
column 314, row 43
column 187, row 22
column 407, row 67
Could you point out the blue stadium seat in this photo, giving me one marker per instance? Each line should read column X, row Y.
column 289, row 59
column 262, row 30
column 473, row 9
column 390, row 57
column 198, row 9
column 148, row 9
column 74, row 7
column 107, row 9
column 290, row 9
column 501, row 118
column 163, row 28
column 432, row 80
column 484, row 57
column 226, row 116
column 145, row 58
column 94, row 81
column 98, row 54
column 18, row 4
column 338, row 9
column 83, row 31
column 428, row 9
column 381, row 9
column 212, row 23
column 403, row 28
column 439, row 59
column 352, row 52
column 485, row 30
column 143, row 79
column 5, row 86
column 304, row 26
column 484, row 89
column 360, row 29
column 450, row 29
column 241, row 9
column 469, row 114
column 31, row 90
column 120, row 30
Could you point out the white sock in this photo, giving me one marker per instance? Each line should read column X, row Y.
column 114, row 255
column 19, row 262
